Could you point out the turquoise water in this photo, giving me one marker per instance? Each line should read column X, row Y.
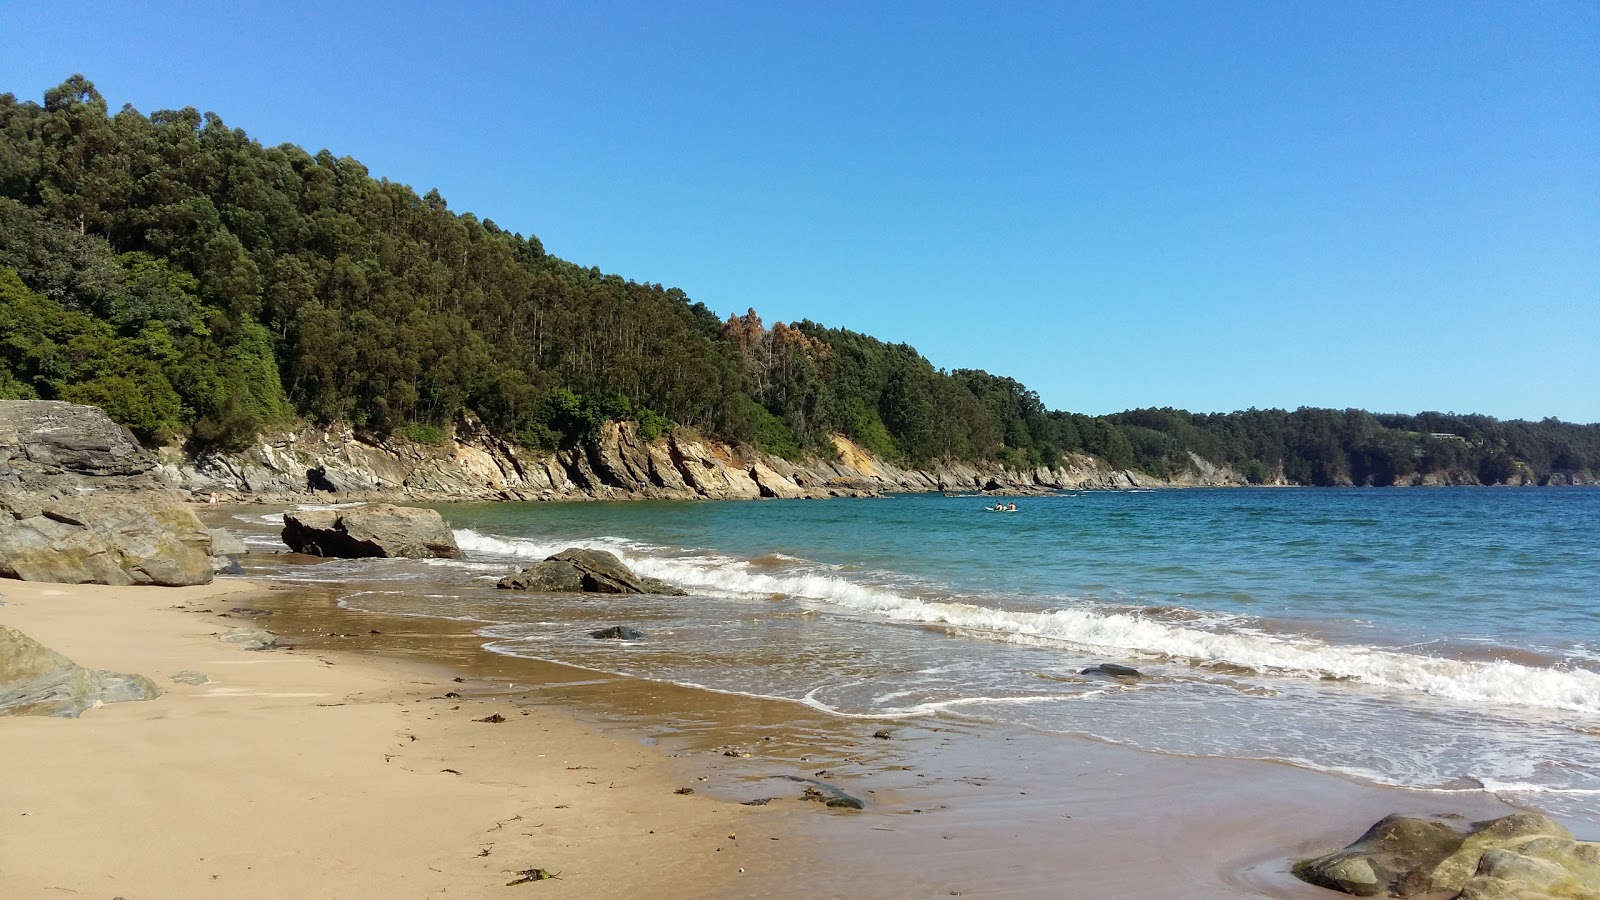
column 1441, row 639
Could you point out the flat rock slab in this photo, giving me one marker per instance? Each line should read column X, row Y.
column 37, row 681
column 378, row 529
column 251, row 638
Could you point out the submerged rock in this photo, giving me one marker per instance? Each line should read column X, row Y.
column 378, row 529
column 1523, row 855
column 589, row 571
column 37, row 681
column 618, row 633
column 1113, row 670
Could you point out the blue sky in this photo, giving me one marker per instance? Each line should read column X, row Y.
column 1213, row 206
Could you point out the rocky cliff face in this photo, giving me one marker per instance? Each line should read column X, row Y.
column 79, row 502
column 472, row 464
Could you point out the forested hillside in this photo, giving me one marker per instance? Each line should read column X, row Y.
column 201, row 287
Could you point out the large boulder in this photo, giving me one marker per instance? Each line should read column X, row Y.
column 37, row 681
column 79, row 503
column 104, row 539
column 374, row 530
column 43, row 442
column 1523, row 856
column 588, row 571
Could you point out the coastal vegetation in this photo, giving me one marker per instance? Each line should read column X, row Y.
column 201, row 288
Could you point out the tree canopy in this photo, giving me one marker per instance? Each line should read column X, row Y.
column 202, row 287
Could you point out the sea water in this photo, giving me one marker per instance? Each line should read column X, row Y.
column 1442, row 639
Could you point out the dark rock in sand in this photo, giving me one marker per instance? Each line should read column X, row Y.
column 1517, row 856
column 827, row 794
column 377, row 529
column 37, row 681
column 618, row 633
column 588, row 571
column 1113, row 670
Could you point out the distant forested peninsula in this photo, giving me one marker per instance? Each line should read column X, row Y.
column 202, row 288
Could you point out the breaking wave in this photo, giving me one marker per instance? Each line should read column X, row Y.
column 1081, row 625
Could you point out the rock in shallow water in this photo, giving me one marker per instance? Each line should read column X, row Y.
column 618, row 633
column 37, row 681
column 588, row 571
column 377, row 529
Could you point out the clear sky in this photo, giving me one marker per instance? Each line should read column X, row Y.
column 1207, row 205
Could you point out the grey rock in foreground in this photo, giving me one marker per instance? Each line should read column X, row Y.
column 577, row 570
column 37, row 681
column 1525, row 856
column 377, row 529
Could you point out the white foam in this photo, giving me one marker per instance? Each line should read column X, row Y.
column 1519, row 787
column 1123, row 634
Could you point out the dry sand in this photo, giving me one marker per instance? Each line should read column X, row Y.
column 300, row 774
column 320, row 772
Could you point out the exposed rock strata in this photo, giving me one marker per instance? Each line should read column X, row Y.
column 618, row 464
column 38, row 681
column 375, row 530
column 79, row 502
column 1523, row 855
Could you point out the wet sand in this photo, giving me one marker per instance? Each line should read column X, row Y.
column 952, row 807
column 324, row 771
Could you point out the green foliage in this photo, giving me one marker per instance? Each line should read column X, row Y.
column 652, row 424
column 425, row 434
column 773, row 435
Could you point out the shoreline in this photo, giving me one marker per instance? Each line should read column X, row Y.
column 952, row 807
column 318, row 773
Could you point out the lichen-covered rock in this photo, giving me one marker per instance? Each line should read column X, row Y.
column 1523, row 856
column 38, row 681
column 373, row 530
column 1397, row 856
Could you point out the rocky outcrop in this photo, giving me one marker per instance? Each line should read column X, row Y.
column 577, row 570
column 79, row 503
column 1523, row 855
column 373, row 530
column 618, row 463
column 37, row 681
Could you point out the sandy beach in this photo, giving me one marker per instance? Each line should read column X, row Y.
column 343, row 768
column 304, row 774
